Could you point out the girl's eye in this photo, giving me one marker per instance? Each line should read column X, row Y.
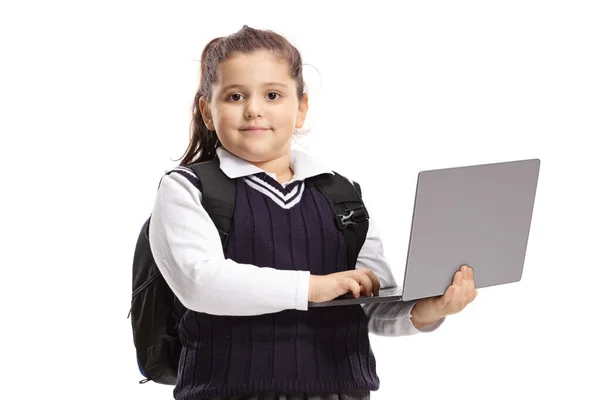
column 235, row 97
column 273, row 96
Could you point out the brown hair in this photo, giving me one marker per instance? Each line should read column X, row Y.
column 203, row 142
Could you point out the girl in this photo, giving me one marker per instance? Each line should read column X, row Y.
column 265, row 343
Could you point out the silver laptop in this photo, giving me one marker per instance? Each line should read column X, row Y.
column 478, row 215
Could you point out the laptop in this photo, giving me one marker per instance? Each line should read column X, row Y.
column 477, row 215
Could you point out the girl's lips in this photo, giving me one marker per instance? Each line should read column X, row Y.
column 254, row 129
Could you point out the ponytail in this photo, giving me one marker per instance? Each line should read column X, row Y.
column 203, row 142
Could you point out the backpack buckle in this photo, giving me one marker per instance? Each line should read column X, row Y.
column 351, row 218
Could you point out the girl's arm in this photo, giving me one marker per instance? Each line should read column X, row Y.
column 187, row 249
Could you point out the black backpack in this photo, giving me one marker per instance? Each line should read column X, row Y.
column 155, row 310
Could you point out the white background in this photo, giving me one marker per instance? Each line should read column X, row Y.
column 95, row 102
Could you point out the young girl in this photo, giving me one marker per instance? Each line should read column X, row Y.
column 264, row 342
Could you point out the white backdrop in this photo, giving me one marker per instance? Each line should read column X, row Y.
column 95, row 102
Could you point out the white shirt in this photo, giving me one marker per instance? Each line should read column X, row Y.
column 188, row 252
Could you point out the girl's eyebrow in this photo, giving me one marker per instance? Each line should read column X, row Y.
column 235, row 85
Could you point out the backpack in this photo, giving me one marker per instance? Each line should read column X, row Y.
column 155, row 310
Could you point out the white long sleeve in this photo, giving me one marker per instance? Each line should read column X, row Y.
column 187, row 249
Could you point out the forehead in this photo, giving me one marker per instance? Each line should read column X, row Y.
column 253, row 69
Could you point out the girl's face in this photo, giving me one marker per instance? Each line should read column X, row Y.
column 254, row 107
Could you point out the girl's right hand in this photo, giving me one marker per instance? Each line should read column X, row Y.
column 328, row 287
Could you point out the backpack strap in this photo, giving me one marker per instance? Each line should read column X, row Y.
column 350, row 214
column 218, row 196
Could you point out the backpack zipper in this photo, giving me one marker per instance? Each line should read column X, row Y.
column 143, row 286
column 152, row 278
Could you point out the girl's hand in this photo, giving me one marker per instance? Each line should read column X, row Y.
column 328, row 287
column 460, row 293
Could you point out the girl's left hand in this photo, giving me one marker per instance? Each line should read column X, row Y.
column 455, row 299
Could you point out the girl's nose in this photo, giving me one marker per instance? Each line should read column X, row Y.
column 253, row 109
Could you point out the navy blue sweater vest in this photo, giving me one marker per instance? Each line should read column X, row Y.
column 320, row 350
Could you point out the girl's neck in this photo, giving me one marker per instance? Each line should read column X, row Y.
column 278, row 166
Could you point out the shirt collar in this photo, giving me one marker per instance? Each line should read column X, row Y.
column 303, row 164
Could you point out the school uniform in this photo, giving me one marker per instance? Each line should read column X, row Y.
column 249, row 332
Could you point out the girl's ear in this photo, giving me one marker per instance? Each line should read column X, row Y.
column 205, row 111
column 302, row 111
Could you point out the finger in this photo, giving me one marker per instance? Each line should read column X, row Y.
column 463, row 295
column 470, row 274
column 465, row 269
column 364, row 279
column 351, row 285
column 464, row 276
column 458, row 276
column 447, row 297
column 375, row 281
column 362, row 290
column 463, row 281
column 471, row 280
column 469, row 277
